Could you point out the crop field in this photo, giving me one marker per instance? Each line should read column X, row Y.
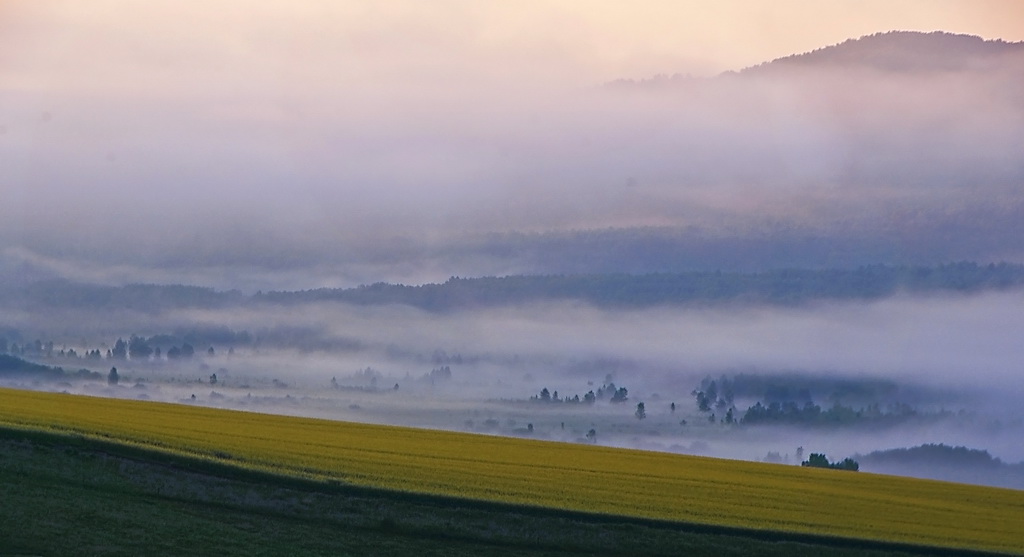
column 562, row 476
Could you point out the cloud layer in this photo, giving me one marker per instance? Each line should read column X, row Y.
column 337, row 144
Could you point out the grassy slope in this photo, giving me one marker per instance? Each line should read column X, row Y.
column 562, row 476
column 65, row 495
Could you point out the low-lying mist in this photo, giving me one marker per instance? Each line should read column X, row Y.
column 897, row 372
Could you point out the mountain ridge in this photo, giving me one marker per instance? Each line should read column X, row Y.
column 887, row 51
column 900, row 51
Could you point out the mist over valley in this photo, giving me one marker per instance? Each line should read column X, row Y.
column 839, row 376
column 820, row 253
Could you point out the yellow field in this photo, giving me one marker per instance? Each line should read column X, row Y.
column 574, row 477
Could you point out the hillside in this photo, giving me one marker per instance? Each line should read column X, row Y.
column 901, row 51
column 776, row 287
column 182, row 506
column 568, row 477
column 942, row 462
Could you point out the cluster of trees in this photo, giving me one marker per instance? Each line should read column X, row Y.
column 714, row 394
column 135, row 348
column 609, row 390
column 13, row 366
column 367, row 379
column 931, row 454
column 40, row 349
column 802, row 388
column 443, row 373
column 811, row 414
column 945, row 462
column 785, row 286
column 140, row 348
column 819, row 460
column 144, row 297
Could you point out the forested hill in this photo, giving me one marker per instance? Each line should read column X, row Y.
column 781, row 287
column 902, row 51
column 777, row 287
column 907, row 52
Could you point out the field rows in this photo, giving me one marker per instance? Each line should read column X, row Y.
column 566, row 476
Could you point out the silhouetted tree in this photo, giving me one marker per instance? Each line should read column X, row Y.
column 138, row 348
column 703, row 403
column 112, row 377
column 120, row 350
column 621, row 395
column 819, row 460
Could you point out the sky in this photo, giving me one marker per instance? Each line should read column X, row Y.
column 300, row 144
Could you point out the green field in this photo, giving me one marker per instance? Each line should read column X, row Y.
column 650, row 490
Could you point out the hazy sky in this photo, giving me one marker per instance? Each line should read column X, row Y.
column 142, row 137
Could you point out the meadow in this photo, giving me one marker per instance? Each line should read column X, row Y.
column 527, row 473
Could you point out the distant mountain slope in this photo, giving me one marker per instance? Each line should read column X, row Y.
column 777, row 287
column 781, row 287
column 901, row 51
column 892, row 51
column 942, row 462
column 14, row 366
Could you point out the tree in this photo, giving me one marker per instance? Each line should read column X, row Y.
column 112, row 377
column 621, row 395
column 641, row 412
column 847, row 464
column 545, row 395
column 592, row 436
column 816, row 460
column 819, row 460
column 712, row 392
column 138, row 348
column 673, row 407
column 120, row 350
column 213, row 379
column 703, row 403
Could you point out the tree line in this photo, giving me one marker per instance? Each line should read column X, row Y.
column 779, row 287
